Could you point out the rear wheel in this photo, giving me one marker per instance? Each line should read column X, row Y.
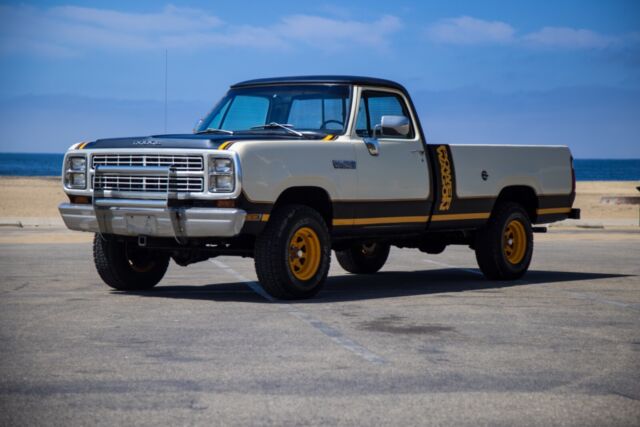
column 293, row 253
column 126, row 266
column 363, row 258
column 504, row 247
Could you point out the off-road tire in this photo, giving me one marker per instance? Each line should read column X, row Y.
column 491, row 249
column 363, row 258
column 118, row 268
column 272, row 253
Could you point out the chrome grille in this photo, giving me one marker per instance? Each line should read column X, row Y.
column 180, row 162
column 150, row 184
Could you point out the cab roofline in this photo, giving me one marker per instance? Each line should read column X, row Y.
column 349, row 80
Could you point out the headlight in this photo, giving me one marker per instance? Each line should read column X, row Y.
column 223, row 166
column 224, row 183
column 221, row 175
column 77, row 180
column 77, row 163
column 75, row 176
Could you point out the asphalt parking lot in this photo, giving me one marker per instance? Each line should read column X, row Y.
column 425, row 341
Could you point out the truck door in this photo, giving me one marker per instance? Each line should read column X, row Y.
column 393, row 176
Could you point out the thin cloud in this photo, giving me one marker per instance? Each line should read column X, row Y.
column 569, row 38
column 170, row 19
column 467, row 30
column 71, row 30
column 332, row 34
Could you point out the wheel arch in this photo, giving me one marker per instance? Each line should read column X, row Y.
column 524, row 195
column 315, row 197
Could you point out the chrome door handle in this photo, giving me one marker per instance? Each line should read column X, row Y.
column 372, row 145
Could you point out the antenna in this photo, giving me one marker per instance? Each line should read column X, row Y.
column 166, row 77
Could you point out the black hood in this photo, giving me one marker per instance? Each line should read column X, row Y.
column 187, row 140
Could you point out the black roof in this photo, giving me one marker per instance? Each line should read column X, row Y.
column 357, row 80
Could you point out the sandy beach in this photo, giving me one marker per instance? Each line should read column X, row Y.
column 29, row 198
column 33, row 201
column 589, row 193
column 22, row 197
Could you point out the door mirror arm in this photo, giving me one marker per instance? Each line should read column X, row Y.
column 377, row 131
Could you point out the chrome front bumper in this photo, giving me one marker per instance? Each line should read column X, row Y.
column 144, row 217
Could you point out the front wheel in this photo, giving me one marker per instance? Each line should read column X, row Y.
column 505, row 245
column 128, row 267
column 293, row 253
column 363, row 258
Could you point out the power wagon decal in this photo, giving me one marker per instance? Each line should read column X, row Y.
column 446, row 179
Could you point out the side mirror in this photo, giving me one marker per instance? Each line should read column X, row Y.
column 393, row 126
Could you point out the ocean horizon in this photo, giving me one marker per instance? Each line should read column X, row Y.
column 50, row 164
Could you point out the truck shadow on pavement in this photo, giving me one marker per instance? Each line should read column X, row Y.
column 385, row 284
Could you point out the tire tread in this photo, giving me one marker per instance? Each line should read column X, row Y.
column 488, row 245
column 267, row 258
column 108, row 257
column 355, row 263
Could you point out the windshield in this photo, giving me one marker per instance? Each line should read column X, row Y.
column 320, row 109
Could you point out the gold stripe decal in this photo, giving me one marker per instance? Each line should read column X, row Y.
column 457, row 217
column 82, row 145
column 224, row 145
column 407, row 219
column 553, row 211
column 328, row 137
column 410, row 219
column 380, row 220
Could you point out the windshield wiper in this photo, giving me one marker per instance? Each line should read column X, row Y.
column 211, row 130
column 274, row 125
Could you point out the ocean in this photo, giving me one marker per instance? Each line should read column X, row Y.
column 23, row 164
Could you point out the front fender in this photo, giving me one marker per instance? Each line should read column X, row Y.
column 271, row 167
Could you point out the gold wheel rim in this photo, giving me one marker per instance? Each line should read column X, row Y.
column 304, row 253
column 515, row 241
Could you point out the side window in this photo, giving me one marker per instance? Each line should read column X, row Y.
column 374, row 105
column 245, row 112
column 362, row 123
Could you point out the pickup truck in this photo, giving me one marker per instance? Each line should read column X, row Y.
column 285, row 170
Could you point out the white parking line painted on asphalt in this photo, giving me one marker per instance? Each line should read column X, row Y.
column 591, row 296
column 329, row 331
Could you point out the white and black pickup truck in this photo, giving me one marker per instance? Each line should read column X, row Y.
column 286, row 169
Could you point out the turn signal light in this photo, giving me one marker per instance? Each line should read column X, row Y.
column 80, row 200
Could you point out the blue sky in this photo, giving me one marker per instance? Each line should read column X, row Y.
column 562, row 72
